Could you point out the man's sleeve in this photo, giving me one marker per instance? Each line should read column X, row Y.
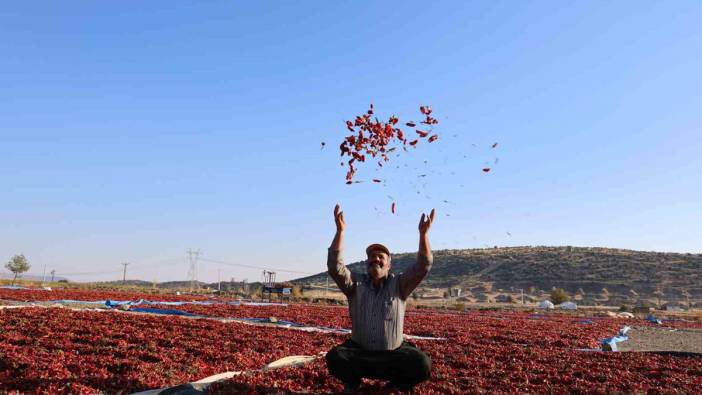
column 339, row 273
column 410, row 279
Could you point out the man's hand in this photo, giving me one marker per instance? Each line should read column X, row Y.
column 424, row 222
column 339, row 219
column 410, row 279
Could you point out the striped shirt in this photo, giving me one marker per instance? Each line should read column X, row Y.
column 377, row 315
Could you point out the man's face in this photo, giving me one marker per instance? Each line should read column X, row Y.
column 378, row 264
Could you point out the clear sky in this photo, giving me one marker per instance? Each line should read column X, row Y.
column 132, row 131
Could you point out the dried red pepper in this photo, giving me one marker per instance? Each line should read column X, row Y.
column 376, row 139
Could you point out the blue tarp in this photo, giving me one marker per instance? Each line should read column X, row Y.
column 78, row 301
column 161, row 311
column 610, row 343
column 116, row 303
column 15, row 287
column 652, row 319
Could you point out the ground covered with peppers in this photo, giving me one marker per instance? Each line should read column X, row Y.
column 59, row 350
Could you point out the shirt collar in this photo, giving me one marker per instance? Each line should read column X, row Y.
column 367, row 279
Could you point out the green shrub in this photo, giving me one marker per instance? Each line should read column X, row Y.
column 558, row 296
column 626, row 307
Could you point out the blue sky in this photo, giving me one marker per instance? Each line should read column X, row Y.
column 131, row 132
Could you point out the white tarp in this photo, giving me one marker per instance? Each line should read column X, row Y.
column 568, row 306
column 545, row 304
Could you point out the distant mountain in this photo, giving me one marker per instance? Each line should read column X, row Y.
column 609, row 275
column 149, row 284
column 32, row 277
column 174, row 284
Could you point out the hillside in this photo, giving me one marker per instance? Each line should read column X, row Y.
column 31, row 277
column 626, row 275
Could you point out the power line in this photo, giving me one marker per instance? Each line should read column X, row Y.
column 124, row 277
column 253, row 267
column 88, row 273
column 162, row 262
column 192, row 273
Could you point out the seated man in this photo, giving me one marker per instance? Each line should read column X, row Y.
column 377, row 308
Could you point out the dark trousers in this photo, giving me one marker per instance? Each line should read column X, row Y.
column 404, row 366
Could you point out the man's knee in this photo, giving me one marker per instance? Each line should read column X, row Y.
column 419, row 365
column 333, row 356
column 423, row 366
column 336, row 359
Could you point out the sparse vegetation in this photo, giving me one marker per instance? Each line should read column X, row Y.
column 659, row 297
column 558, row 296
column 18, row 264
column 626, row 308
column 603, row 275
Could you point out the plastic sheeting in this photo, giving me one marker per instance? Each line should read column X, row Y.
column 545, row 304
column 271, row 321
column 200, row 386
column 112, row 303
column 118, row 303
column 262, row 304
column 610, row 343
column 67, row 301
column 161, row 311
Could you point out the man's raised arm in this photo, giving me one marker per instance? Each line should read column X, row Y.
column 335, row 260
column 410, row 279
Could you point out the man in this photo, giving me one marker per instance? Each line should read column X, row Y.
column 377, row 307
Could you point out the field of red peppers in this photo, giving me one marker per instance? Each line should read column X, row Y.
column 32, row 295
column 57, row 350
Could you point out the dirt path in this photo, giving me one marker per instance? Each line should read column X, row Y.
column 642, row 338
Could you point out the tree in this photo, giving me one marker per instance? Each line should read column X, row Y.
column 558, row 296
column 17, row 265
column 579, row 295
column 686, row 295
column 659, row 296
column 604, row 296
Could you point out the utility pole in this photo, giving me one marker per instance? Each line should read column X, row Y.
column 53, row 271
column 193, row 256
column 219, row 282
column 522, row 290
column 327, row 287
column 124, row 276
column 268, row 282
column 43, row 276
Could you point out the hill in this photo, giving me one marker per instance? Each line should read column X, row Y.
column 30, row 277
column 594, row 274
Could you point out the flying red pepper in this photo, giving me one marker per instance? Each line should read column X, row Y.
column 371, row 136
